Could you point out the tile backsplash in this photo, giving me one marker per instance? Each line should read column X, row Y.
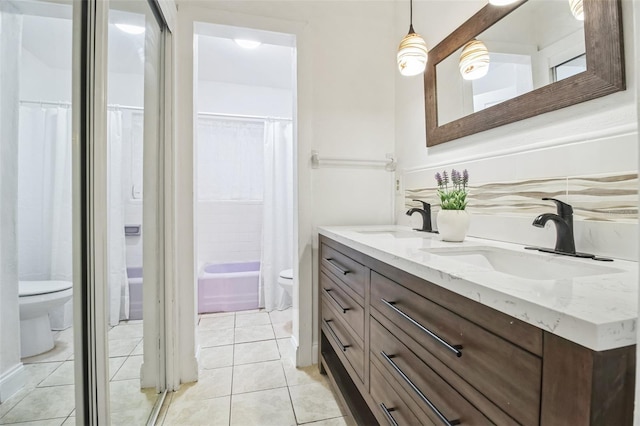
column 612, row 197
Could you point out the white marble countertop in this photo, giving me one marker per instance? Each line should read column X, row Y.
column 597, row 311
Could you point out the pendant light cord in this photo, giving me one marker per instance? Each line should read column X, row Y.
column 411, row 31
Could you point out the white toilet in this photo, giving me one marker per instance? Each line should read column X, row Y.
column 286, row 281
column 37, row 299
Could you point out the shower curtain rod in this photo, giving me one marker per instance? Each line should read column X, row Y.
column 243, row 117
column 68, row 104
column 135, row 108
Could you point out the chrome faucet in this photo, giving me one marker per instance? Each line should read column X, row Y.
column 425, row 211
column 565, row 242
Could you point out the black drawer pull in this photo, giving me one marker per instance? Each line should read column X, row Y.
column 328, row 291
column 419, row 393
column 337, row 266
column 387, row 414
column 456, row 349
column 334, row 335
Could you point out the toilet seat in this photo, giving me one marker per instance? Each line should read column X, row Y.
column 287, row 274
column 36, row 288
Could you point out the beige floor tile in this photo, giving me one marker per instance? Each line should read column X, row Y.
column 123, row 347
column 302, row 375
column 211, row 337
column 60, row 352
column 251, row 320
column 125, row 332
column 36, row 373
column 212, row 383
column 41, row 404
column 282, row 329
column 48, row 422
column 336, row 421
column 216, row 357
column 254, row 334
column 70, row 421
column 126, row 395
column 217, row 322
column 139, row 349
column 265, row 408
column 313, row 402
column 208, row 412
column 63, row 375
column 281, row 316
column 130, row 322
column 250, row 311
column 130, row 417
column 130, row 369
column 257, row 376
column 287, row 351
column 115, row 364
column 217, row 314
column 245, row 353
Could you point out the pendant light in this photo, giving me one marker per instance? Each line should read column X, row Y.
column 412, row 52
column 576, row 9
column 474, row 60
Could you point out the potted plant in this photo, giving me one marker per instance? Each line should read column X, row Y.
column 453, row 219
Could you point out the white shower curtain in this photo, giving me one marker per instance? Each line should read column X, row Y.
column 44, row 193
column 116, row 256
column 277, row 227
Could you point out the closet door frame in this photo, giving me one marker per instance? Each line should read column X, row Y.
column 89, row 146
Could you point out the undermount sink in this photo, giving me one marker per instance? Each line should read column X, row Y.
column 523, row 264
column 396, row 234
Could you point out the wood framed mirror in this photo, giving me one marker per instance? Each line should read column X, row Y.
column 604, row 74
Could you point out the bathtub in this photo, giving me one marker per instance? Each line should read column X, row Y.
column 228, row 287
column 134, row 276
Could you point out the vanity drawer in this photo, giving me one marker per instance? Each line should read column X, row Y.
column 507, row 375
column 342, row 339
column 410, row 371
column 352, row 273
column 338, row 297
column 390, row 408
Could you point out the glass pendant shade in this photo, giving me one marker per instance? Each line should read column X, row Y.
column 412, row 54
column 474, row 60
column 576, row 9
column 501, row 2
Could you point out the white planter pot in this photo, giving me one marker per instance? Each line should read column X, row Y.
column 453, row 225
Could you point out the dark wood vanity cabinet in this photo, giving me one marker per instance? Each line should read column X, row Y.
column 404, row 351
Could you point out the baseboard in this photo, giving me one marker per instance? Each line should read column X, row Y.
column 12, row 381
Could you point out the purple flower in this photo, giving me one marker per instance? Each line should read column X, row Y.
column 455, row 177
column 439, row 179
column 465, row 177
column 445, row 177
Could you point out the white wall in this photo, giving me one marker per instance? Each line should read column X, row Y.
column 598, row 137
column 12, row 376
column 345, row 108
column 241, row 99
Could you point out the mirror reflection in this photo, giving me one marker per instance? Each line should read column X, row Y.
column 539, row 43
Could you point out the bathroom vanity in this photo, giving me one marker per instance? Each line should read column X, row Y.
column 414, row 330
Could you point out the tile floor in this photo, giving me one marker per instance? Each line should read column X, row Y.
column 248, row 377
column 48, row 397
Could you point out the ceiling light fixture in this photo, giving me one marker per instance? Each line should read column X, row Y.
column 576, row 9
column 474, row 60
column 247, row 44
column 130, row 29
column 501, row 2
column 412, row 52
